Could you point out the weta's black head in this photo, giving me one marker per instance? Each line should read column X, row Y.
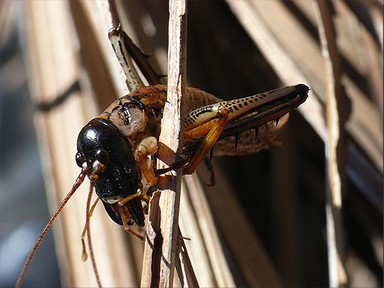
column 107, row 158
column 97, row 143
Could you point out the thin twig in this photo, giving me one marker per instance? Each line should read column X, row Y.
column 114, row 14
column 335, row 147
column 161, row 244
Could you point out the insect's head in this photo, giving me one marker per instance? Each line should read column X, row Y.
column 100, row 146
column 105, row 156
column 92, row 155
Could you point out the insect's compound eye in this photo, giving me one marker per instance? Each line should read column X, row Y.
column 102, row 156
column 79, row 159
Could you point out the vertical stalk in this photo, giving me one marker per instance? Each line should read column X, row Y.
column 161, row 243
column 336, row 116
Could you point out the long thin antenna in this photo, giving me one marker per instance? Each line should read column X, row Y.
column 88, row 229
column 84, row 254
column 75, row 186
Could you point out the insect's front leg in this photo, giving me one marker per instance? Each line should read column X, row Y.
column 147, row 147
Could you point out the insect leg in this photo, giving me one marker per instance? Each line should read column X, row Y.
column 123, row 212
column 148, row 146
column 116, row 36
column 239, row 115
column 209, row 140
column 125, row 51
column 125, row 200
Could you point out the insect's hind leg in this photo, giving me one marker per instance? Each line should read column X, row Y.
column 210, row 139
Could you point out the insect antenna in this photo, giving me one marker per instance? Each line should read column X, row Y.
column 89, row 211
column 83, row 234
column 75, row 186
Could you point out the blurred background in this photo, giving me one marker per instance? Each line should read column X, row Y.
column 268, row 210
column 23, row 204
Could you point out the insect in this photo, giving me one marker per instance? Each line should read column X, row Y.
column 117, row 149
column 113, row 148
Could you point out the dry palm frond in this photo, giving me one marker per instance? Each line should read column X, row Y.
column 262, row 224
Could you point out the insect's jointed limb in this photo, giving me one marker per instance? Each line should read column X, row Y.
column 217, row 127
column 147, row 147
column 125, row 49
column 235, row 118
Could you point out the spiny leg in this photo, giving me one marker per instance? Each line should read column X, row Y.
column 125, row 49
column 117, row 37
column 209, row 140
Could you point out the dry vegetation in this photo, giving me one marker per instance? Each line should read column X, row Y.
column 306, row 213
